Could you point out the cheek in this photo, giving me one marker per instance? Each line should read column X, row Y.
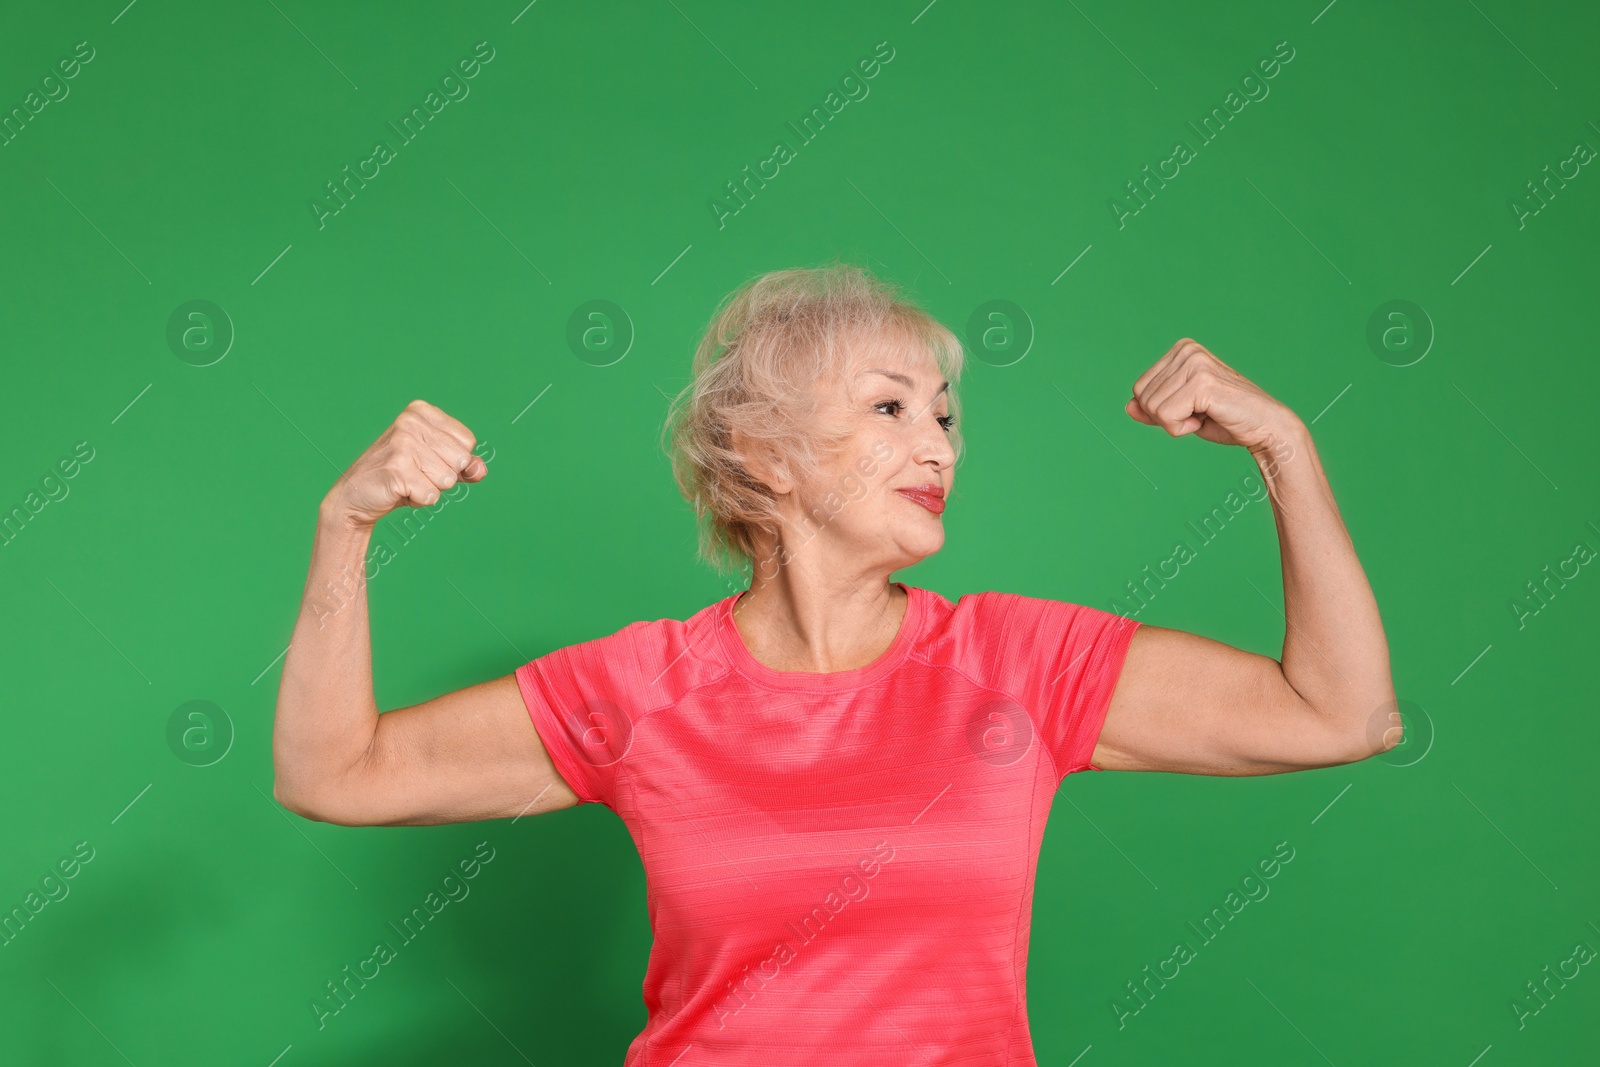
column 872, row 464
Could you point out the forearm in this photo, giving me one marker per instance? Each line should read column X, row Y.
column 1335, row 654
column 326, row 713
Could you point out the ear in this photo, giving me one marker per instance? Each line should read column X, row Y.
column 758, row 457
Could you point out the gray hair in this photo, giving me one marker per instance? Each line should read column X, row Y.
column 762, row 369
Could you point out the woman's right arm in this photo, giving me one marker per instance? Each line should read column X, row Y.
column 467, row 755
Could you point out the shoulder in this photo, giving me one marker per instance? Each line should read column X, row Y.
column 586, row 699
column 1057, row 659
column 989, row 632
column 993, row 613
column 648, row 662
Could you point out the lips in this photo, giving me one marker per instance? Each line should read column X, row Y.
column 929, row 496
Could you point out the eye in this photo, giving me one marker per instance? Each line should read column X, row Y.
column 948, row 422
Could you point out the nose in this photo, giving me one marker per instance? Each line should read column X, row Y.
column 933, row 445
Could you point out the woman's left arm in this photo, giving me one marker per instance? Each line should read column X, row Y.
column 1185, row 703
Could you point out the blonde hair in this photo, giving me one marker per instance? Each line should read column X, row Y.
column 762, row 369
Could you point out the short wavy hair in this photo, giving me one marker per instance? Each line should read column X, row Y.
column 763, row 368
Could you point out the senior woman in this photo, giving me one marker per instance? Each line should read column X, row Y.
column 837, row 783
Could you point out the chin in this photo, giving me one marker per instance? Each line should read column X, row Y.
column 921, row 545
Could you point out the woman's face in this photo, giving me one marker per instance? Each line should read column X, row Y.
column 859, row 509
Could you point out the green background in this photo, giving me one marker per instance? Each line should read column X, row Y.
column 1425, row 890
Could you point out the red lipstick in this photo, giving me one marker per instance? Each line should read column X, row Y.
column 929, row 496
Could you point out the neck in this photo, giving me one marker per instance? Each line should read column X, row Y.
column 810, row 617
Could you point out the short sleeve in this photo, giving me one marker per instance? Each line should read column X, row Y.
column 585, row 701
column 1061, row 661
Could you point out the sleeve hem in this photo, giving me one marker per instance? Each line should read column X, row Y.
column 551, row 735
column 1107, row 669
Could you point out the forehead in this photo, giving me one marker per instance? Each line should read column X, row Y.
column 893, row 356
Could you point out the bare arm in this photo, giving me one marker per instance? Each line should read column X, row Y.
column 470, row 754
column 1189, row 704
column 1335, row 653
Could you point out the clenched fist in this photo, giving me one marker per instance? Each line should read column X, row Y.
column 1189, row 390
column 421, row 454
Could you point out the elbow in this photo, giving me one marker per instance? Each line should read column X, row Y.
column 300, row 802
column 1381, row 732
column 320, row 800
column 1386, row 728
column 1392, row 737
column 1350, row 735
column 1368, row 746
column 314, row 791
column 290, row 800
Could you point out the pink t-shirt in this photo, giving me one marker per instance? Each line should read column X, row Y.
column 839, row 866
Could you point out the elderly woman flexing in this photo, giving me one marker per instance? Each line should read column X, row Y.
column 837, row 782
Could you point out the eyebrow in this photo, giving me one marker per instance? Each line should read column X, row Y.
column 902, row 379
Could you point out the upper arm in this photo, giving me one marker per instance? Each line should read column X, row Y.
column 1187, row 704
column 467, row 755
